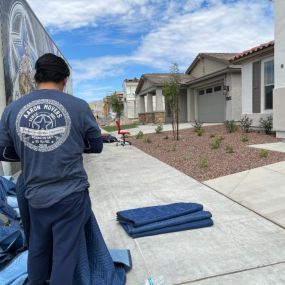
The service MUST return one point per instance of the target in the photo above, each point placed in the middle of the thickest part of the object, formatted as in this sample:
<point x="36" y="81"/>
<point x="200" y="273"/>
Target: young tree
<point x="117" y="105"/>
<point x="171" y="91"/>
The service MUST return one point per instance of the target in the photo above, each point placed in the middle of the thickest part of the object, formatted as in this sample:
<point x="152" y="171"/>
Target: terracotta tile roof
<point x="252" y="50"/>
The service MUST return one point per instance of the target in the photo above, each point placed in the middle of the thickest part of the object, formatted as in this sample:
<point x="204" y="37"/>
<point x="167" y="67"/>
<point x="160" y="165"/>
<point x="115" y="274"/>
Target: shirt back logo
<point x="43" y="125"/>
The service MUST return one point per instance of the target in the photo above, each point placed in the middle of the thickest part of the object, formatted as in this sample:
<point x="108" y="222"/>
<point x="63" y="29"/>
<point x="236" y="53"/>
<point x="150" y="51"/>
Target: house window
<point x="201" y="92"/>
<point x="217" y="88"/>
<point x="268" y="84"/>
<point x="209" y="90"/>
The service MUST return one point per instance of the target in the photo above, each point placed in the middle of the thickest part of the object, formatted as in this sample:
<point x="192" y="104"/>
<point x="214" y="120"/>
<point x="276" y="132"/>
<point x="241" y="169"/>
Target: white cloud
<point x="72" y="14"/>
<point x="218" y="28"/>
<point x="174" y="30"/>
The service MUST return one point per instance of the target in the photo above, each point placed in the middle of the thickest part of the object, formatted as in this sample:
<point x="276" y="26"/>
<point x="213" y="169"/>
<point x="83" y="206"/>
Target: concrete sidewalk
<point x="260" y="189"/>
<point x="241" y="248"/>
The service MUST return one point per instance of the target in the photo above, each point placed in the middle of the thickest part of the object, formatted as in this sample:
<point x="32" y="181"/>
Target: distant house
<point x="130" y="108"/>
<point x="97" y="108"/>
<point x="210" y="92"/>
<point x="150" y="100"/>
<point x="214" y="95"/>
<point x="257" y="81"/>
<point x="107" y="107"/>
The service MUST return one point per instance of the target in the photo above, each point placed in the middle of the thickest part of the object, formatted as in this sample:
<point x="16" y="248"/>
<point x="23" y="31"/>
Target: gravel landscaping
<point x="195" y="156"/>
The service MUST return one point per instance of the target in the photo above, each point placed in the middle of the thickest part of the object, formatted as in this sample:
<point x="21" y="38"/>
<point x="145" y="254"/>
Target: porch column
<point x="188" y="104"/>
<point x="279" y="70"/>
<point x="141" y="104"/>
<point x="159" y="101"/>
<point x="149" y="103"/>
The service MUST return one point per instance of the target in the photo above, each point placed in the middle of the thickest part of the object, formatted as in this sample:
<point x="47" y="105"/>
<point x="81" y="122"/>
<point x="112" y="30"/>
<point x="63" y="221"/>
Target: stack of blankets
<point x="156" y="220"/>
<point x="96" y="264"/>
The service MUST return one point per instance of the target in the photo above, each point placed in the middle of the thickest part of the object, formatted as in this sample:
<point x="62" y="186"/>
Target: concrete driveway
<point x="241" y="248"/>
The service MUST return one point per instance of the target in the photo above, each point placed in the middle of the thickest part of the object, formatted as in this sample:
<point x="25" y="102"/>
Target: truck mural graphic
<point x="23" y="40"/>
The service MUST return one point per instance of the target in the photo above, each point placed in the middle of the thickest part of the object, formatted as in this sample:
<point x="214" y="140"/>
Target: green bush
<point x="231" y="126"/>
<point x="245" y="123"/>
<point x="244" y="138"/>
<point x="229" y="148"/>
<point x="204" y="163"/>
<point x="197" y="126"/>
<point x="200" y="132"/>
<point x="216" y="143"/>
<point x="263" y="153"/>
<point x="266" y="124"/>
<point x="139" y="135"/>
<point x="159" y="128"/>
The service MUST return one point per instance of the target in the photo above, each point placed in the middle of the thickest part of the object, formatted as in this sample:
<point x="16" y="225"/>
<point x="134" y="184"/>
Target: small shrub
<point x="173" y="148"/>
<point x="231" y="126"/>
<point x="204" y="163"/>
<point x="263" y="153"/>
<point x="244" y="138"/>
<point x="200" y="132"/>
<point x="229" y="148"/>
<point x="212" y="135"/>
<point x="216" y="143"/>
<point x="147" y="140"/>
<point x="159" y="128"/>
<point x="266" y="124"/>
<point x="197" y="126"/>
<point x="139" y="135"/>
<point x="166" y="137"/>
<point x="245" y="123"/>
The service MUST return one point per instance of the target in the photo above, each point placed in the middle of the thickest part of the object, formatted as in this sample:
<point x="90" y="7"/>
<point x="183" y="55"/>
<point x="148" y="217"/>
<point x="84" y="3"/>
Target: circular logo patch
<point x="43" y="125"/>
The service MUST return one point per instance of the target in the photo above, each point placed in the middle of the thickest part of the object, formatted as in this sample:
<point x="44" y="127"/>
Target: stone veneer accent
<point x="152" y="118"/>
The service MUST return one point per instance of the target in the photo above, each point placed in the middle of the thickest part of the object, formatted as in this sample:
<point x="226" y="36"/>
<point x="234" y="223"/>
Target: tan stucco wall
<point x="206" y="66"/>
<point x="279" y="57"/>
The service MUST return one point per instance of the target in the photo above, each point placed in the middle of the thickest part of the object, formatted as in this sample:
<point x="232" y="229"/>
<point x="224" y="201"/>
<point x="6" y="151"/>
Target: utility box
<point x="23" y="40"/>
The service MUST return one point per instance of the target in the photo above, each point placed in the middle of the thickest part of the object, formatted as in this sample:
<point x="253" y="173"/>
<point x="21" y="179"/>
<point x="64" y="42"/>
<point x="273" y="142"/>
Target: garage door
<point x="211" y="105"/>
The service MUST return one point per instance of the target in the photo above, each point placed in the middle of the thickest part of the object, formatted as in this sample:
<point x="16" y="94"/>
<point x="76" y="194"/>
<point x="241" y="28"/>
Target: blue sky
<point x="106" y="41"/>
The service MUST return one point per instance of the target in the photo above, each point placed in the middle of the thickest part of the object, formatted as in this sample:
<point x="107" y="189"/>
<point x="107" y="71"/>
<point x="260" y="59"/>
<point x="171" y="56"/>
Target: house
<point x="150" y="100"/>
<point x="129" y="87"/>
<point x="97" y="108"/>
<point x="214" y="91"/>
<point x="257" y="81"/>
<point x="279" y="59"/>
<point x="210" y="92"/>
<point x="107" y="107"/>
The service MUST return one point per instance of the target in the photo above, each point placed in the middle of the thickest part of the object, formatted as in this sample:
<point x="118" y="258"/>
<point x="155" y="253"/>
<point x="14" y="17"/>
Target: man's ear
<point x="65" y="81"/>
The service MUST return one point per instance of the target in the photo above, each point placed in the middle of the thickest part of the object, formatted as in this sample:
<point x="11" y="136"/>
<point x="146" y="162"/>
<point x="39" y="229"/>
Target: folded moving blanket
<point x="16" y="272"/>
<point x="142" y="216"/>
<point x="155" y="220"/>
<point x="95" y="264"/>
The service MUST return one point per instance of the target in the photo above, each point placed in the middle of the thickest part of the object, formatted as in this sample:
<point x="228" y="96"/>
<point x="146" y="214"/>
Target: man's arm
<point x="8" y="154"/>
<point x="93" y="137"/>
<point x="93" y="145"/>
<point x="7" y="150"/>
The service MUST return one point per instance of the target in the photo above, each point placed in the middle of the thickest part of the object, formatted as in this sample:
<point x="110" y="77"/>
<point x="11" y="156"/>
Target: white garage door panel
<point x="211" y="108"/>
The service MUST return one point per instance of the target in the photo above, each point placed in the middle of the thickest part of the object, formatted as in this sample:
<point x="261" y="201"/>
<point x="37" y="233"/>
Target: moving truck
<point x="22" y="40"/>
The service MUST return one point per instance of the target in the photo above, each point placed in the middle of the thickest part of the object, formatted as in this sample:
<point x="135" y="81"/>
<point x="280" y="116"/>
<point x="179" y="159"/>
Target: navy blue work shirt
<point x="47" y="129"/>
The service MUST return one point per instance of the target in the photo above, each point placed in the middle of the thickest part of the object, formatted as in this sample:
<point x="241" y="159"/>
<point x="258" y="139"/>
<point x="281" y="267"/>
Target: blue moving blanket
<point x="95" y="265"/>
<point x="142" y="216"/>
<point x="16" y="272"/>
<point x="155" y="220"/>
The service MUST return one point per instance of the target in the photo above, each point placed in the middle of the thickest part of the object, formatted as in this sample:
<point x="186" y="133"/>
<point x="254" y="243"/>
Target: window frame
<point x="263" y="85"/>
